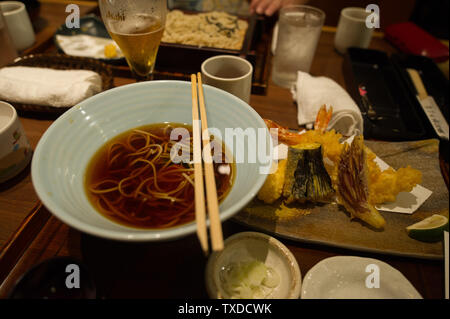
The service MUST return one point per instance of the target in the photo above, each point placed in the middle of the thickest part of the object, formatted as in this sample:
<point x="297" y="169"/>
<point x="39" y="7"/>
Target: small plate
<point x="89" y="25"/>
<point x="344" y="277"/>
<point x="249" y="246"/>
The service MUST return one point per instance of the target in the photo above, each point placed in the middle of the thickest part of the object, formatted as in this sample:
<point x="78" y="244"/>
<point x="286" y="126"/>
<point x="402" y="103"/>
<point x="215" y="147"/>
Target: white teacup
<point x="15" y="150"/>
<point x="19" y="24"/>
<point x="352" y="30"/>
<point x="229" y="73"/>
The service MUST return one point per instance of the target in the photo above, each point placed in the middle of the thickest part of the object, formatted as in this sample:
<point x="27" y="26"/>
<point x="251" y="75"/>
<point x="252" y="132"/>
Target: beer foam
<point x="141" y="23"/>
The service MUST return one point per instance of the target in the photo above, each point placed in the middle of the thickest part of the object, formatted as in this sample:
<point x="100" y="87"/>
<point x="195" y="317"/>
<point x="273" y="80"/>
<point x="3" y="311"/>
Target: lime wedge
<point x="431" y="229"/>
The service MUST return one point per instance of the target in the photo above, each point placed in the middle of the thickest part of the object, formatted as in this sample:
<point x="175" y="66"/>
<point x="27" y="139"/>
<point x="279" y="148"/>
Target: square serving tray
<point x="174" y="57"/>
<point x="391" y="93"/>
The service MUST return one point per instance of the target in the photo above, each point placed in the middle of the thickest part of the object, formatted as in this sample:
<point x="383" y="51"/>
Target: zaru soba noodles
<point x="132" y="179"/>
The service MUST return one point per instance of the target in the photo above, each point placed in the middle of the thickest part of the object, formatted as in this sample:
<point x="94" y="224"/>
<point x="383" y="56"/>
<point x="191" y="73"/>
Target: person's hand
<point x="269" y="7"/>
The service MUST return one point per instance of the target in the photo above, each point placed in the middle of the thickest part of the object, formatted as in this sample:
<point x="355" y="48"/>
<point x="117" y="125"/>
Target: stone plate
<point x="330" y="224"/>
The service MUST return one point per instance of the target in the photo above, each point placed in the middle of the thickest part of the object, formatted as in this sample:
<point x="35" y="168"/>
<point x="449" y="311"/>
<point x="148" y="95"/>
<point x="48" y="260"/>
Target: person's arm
<point x="269" y="7"/>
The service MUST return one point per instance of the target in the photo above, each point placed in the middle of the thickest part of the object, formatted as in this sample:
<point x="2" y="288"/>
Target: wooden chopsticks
<point x="200" y="212"/>
<point x="418" y="84"/>
<point x="201" y="130"/>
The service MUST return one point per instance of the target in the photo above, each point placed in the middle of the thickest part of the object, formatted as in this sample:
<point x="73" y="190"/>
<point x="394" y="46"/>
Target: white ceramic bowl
<point x="250" y="246"/>
<point x="64" y="151"/>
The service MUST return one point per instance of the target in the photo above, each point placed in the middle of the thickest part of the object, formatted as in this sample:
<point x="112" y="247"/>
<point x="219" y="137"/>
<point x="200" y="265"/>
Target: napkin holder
<point x="391" y="94"/>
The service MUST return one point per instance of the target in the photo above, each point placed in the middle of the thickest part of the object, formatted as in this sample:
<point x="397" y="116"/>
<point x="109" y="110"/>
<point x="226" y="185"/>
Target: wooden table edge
<point x="21" y="239"/>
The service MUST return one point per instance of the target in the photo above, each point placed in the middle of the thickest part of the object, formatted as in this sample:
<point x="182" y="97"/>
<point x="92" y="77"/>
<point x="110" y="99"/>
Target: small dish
<point x="92" y="26"/>
<point x="344" y="277"/>
<point x="253" y="246"/>
<point x="15" y="150"/>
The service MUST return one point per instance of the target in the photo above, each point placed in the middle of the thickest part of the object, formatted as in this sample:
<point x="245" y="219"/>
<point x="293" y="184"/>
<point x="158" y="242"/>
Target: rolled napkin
<point x="313" y="92"/>
<point x="48" y="87"/>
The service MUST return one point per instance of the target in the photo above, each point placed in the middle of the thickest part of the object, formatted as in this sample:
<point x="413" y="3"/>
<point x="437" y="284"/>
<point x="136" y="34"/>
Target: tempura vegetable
<point x="273" y="186"/>
<point x="306" y="177"/>
<point x="352" y="171"/>
<point x="384" y="186"/>
<point x="352" y="184"/>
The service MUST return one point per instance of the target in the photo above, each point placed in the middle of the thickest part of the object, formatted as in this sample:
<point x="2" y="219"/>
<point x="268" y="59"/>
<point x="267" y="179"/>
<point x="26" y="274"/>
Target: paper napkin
<point x="313" y="92"/>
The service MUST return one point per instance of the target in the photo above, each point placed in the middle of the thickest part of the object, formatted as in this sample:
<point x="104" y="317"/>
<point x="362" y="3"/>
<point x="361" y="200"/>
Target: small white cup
<point x="352" y="30"/>
<point x="15" y="150"/>
<point x="19" y="24"/>
<point x="229" y="73"/>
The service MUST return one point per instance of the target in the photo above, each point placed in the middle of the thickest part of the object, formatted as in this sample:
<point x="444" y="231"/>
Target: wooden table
<point x="29" y="234"/>
<point x="17" y="197"/>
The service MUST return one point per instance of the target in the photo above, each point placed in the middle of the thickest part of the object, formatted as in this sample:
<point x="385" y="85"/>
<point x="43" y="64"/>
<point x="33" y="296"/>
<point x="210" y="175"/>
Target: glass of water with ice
<point x="299" y="29"/>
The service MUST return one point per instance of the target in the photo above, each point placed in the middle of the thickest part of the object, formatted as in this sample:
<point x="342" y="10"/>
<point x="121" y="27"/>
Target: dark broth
<point x="120" y="181"/>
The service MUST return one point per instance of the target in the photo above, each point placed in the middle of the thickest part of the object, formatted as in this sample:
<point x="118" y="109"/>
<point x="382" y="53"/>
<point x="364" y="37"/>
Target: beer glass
<point x="137" y="27"/>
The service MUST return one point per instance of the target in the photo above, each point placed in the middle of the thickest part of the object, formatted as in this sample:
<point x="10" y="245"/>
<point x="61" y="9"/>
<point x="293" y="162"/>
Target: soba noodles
<point x="132" y="179"/>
